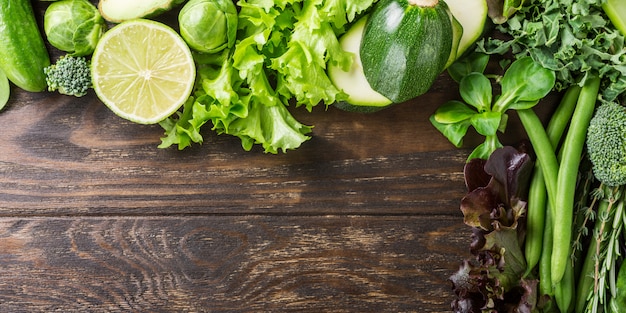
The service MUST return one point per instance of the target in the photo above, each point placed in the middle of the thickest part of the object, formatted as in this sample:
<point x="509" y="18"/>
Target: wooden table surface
<point x="95" y="218"/>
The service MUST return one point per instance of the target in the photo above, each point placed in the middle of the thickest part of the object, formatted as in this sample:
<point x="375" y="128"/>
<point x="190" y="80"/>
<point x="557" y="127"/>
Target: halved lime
<point x="142" y="70"/>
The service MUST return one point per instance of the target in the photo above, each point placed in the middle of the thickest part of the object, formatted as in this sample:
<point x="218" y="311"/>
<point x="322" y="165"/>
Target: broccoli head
<point x="70" y="75"/>
<point x="606" y="144"/>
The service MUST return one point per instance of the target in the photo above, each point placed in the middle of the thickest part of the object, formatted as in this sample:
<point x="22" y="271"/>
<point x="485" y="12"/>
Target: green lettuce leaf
<point x="280" y="58"/>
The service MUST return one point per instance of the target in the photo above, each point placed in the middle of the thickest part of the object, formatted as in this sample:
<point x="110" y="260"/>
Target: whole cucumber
<point x="23" y="53"/>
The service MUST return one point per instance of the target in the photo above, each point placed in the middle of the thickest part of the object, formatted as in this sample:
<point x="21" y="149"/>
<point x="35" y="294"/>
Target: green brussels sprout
<point x="73" y="26"/>
<point x="208" y="25"/>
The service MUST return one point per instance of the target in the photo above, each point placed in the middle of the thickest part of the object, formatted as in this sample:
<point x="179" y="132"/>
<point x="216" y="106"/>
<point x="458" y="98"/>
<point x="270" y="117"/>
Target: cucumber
<point x="406" y="45"/>
<point x="361" y="97"/>
<point x="117" y="11"/>
<point x="472" y="15"/>
<point x="23" y="53"/>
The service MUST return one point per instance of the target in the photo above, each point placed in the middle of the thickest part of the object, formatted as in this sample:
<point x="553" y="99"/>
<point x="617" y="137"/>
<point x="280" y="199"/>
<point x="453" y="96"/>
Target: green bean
<point x="543" y="149"/>
<point x="545" y="279"/>
<point x="567" y="174"/>
<point x="564" y="290"/>
<point x="537" y="201"/>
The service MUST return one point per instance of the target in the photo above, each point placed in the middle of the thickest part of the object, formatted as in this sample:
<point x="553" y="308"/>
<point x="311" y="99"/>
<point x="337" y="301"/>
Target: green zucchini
<point x="406" y="44"/>
<point x="5" y="89"/>
<point x="23" y="53"/>
<point x="473" y="17"/>
<point x="361" y="97"/>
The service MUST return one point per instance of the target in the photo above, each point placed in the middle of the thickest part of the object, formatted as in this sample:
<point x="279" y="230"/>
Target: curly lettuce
<point x="279" y="59"/>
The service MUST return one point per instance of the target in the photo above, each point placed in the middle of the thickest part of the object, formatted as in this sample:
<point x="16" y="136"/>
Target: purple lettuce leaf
<point x="494" y="208"/>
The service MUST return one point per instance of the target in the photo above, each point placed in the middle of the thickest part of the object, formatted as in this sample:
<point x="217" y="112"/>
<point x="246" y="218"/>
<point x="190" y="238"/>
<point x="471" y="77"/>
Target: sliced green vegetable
<point x="360" y="95"/>
<point x="472" y="16"/>
<point x="5" y="89"/>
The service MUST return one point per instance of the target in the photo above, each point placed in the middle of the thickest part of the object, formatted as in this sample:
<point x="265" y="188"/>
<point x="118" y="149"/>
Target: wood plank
<point x="230" y="264"/>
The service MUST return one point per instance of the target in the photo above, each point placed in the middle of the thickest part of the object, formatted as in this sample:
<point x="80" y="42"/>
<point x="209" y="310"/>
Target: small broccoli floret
<point x="606" y="144"/>
<point x="70" y="75"/>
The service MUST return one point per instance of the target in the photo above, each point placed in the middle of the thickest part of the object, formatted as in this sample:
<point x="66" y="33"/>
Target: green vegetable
<point x="537" y="195"/>
<point x="405" y="46"/>
<point x="618" y="301"/>
<point x="208" y="25"/>
<point x="523" y="84"/>
<point x="23" y="54"/>
<point x="606" y="144"/>
<point x="74" y="26"/>
<point x="290" y="43"/>
<point x="570" y="37"/>
<point x="616" y="11"/>
<point x="360" y="95"/>
<point x="117" y="11"/>
<point x="5" y="90"/>
<point x="573" y="146"/>
<point x="472" y="16"/>
<point x="501" y="10"/>
<point x="70" y="75"/>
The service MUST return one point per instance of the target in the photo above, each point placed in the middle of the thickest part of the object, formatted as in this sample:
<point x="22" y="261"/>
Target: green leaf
<point x="453" y="111"/>
<point x="454" y="131"/>
<point x="5" y="89"/>
<point x="525" y="80"/>
<point x="487" y="123"/>
<point x="474" y="62"/>
<point x="475" y="89"/>
<point x="484" y="150"/>
<point x="521" y="105"/>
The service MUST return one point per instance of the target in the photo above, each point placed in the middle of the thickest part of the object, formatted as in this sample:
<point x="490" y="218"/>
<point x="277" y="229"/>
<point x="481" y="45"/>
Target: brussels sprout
<point x="208" y="25"/>
<point x="73" y="26"/>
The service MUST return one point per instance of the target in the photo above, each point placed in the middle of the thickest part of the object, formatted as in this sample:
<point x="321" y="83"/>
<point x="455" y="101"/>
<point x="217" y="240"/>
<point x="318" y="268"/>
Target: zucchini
<point x="5" y="89"/>
<point x="406" y="44"/>
<point x="361" y="97"/>
<point x="472" y="15"/>
<point x="23" y="53"/>
<point x="117" y="11"/>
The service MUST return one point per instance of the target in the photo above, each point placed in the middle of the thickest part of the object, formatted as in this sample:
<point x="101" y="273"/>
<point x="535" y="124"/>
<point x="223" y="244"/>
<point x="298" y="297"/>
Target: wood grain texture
<point x="229" y="264"/>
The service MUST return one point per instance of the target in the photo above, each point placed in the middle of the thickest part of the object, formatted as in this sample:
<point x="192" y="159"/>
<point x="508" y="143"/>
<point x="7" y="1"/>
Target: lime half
<point x="142" y="70"/>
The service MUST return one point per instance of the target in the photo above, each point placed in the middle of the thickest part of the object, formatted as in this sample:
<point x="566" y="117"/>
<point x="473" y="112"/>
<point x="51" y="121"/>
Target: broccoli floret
<point x="606" y="144"/>
<point x="70" y="75"/>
